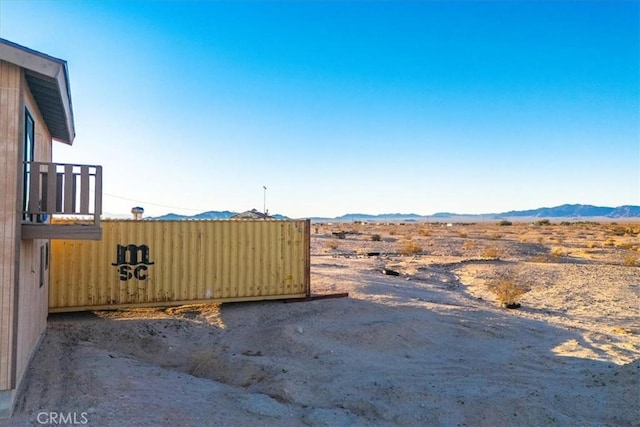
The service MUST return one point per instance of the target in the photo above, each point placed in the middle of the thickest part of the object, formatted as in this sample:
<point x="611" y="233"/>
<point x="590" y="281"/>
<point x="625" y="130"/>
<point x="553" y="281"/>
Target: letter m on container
<point x="132" y="261"/>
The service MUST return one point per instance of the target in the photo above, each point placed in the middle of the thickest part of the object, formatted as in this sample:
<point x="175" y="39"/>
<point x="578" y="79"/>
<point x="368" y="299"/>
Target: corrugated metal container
<point x="158" y="263"/>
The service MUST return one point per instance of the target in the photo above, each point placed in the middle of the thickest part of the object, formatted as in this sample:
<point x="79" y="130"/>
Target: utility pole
<point x="264" y="205"/>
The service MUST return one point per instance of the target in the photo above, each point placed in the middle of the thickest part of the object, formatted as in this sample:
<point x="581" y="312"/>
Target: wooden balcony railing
<point x="71" y="192"/>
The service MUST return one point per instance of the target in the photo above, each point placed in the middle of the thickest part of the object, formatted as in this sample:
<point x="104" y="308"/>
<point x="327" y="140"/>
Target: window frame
<point x="28" y="155"/>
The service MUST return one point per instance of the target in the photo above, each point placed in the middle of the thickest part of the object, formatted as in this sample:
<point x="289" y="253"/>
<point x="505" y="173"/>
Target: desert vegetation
<point x="537" y="241"/>
<point x="508" y="288"/>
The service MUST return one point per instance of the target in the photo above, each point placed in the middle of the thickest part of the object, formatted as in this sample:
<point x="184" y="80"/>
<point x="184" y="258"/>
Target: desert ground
<point x="430" y="346"/>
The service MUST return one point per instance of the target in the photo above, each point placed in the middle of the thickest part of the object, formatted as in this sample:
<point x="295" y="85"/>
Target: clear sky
<point x="344" y="107"/>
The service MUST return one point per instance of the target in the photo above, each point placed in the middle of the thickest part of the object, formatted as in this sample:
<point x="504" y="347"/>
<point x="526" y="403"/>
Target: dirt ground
<point x="431" y="346"/>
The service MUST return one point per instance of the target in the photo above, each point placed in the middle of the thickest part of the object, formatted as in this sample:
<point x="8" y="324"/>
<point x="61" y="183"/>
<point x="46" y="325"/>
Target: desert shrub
<point x="557" y="252"/>
<point x="592" y="245"/>
<point x="508" y="289"/>
<point x="496" y="236"/>
<point x="462" y="234"/>
<point x="505" y="222"/>
<point x="619" y="230"/>
<point x="631" y="259"/>
<point x="625" y="245"/>
<point x="609" y="242"/>
<point x="410" y="248"/>
<point x="585" y="223"/>
<point x="540" y="258"/>
<point x="375" y="238"/>
<point x="332" y="244"/>
<point x="490" y="252"/>
<point x="469" y="245"/>
<point x="543" y="222"/>
<point x="425" y="232"/>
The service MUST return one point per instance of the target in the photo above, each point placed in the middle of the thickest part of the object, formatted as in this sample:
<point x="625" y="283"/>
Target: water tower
<point x="137" y="212"/>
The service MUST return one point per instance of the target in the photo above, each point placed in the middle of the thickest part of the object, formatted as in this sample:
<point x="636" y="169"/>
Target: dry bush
<point x="410" y="248"/>
<point x="622" y="230"/>
<point x="609" y="242"/>
<point x="625" y="245"/>
<point x="619" y="230"/>
<point x="469" y="245"/>
<point x="631" y="259"/>
<point x="496" y="236"/>
<point x="508" y="289"/>
<point x="375" y="238"/>
<point x="540" y="258"/>
<point x="491" y="252"/>
<point x="332" y="244"/>
<point x="557" y="252"/>
<point x="462" y="234"/>
<point x="592" y="245"/>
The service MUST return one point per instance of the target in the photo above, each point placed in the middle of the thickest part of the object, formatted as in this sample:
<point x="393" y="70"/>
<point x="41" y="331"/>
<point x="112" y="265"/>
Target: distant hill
<point x="563" y="211"/>
<point x="388" y="217"/>
<point x="204" y="215"/>
<point x="627" y="211"/>
<point x="567" y="211"/>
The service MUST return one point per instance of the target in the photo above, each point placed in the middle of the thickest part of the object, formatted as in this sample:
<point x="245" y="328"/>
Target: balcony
<point x="73" y="193"/>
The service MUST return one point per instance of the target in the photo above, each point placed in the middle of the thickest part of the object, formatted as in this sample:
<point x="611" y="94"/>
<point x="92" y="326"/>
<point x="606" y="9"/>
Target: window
<point x="44" y="262"/>
<point x="29" y="145"/>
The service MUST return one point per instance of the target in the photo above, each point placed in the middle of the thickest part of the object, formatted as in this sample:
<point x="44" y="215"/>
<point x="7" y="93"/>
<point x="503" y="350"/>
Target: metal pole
<point x="264" y="206"/>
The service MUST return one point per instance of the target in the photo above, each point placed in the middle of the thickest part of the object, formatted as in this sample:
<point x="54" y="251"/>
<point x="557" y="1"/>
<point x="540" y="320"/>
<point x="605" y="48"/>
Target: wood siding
<point x="23" y="302"/>
<point x="32" y="298"/>
<point x="10" y="150"/>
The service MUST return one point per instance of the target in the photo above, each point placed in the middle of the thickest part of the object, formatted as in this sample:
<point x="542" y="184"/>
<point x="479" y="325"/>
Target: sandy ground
<point x="430" y="347"/>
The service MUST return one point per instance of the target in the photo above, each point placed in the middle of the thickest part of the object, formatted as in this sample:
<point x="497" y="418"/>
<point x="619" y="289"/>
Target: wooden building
<point x="35" y="110"/>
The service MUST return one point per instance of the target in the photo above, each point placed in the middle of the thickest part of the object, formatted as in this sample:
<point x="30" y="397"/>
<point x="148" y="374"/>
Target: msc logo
<point x="132" y="261"/>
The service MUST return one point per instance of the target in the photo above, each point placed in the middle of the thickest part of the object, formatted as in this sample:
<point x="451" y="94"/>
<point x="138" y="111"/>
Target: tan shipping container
<point x="161" y="263"/>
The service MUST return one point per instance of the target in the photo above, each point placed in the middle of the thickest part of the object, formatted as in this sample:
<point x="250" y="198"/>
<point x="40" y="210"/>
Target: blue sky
<point x="342" y="107"/>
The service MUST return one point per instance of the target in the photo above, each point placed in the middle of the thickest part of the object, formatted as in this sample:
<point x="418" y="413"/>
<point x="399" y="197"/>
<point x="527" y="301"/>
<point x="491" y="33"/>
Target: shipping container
<point x="161" y="263"/>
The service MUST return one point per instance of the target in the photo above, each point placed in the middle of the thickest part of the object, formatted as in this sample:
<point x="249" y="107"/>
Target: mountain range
<point x="205" y="215"/>
<point x="568" y="211"/>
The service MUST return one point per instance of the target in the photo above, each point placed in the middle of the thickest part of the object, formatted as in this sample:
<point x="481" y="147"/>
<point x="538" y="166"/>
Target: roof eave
<point x="53" y="70"/>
